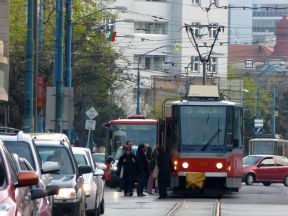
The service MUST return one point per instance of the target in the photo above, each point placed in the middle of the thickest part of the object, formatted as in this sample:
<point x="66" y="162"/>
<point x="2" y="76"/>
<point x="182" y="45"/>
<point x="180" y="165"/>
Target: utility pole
<point x="28" y="85"/>
<point x="58" y="65"/>
<point x="35" y="75"/>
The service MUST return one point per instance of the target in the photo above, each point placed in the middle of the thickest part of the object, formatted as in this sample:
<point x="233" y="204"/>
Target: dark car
<point x="266" y="169"/>
<point x="71" y="199"/>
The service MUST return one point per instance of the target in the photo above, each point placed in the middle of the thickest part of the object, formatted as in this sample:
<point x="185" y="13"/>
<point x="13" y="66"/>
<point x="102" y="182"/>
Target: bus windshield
<point x="137" y="133"/>
<point x="202" y="126"/>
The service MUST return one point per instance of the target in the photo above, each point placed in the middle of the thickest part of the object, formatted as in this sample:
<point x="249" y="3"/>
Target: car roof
<point x="17" y="135"/>
<point x="50" y="136"/>
<point x="80" y="150"/>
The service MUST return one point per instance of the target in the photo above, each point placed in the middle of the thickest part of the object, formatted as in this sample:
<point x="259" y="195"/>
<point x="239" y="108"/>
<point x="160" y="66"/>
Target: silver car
<point x="93" y="182"/>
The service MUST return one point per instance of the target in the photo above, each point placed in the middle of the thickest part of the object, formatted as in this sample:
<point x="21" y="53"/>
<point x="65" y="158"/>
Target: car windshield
<point x="81" y="160"/>
<point x="100" y="158"/>
<point x="57" y="154"/>
<point x="251" y="160"/>
<point x="2" y="173"/>
<point x="22" y="149"/>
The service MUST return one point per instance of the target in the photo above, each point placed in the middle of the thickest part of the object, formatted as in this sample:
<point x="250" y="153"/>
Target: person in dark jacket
<point x="164" y="165"/>
<point x="128" y="161"/>
<point x="143" y="170"/>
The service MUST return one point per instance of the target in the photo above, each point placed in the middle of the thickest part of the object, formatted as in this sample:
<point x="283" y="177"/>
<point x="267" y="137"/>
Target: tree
<point x="95" y="71"/>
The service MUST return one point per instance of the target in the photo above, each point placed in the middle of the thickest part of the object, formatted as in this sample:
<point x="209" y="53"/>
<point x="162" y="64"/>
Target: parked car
<point x="93" y="182"/>
<point x="71" y="199"/>
<point x="20" y="143"/>
<point x="114" y="172"/>
<point x="15" y="195"/>
<point x="266" y="169"/>
<point x="100" y="162"/>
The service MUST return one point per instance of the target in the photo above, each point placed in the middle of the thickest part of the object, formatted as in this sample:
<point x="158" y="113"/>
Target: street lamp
<point x="138" y="77"/>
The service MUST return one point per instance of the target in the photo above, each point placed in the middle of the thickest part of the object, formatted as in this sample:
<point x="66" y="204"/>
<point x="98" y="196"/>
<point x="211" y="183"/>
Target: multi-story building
<point x="152" y="38"/>
<point x="258" y="25"/>
<point x="4" y="66"/>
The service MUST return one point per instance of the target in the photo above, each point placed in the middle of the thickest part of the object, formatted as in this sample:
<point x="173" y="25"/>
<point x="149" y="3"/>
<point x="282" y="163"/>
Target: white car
<point x="93" y="182"/>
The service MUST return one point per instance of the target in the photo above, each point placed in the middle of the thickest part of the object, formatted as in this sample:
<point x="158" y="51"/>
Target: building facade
<point x="256" y="26"/>
<point x="4" y="39"/>
<point x="155" y="41"/>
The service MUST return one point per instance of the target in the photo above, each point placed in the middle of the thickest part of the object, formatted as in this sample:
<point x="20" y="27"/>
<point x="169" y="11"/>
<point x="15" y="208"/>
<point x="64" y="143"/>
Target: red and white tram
<point x="204" y="138"/>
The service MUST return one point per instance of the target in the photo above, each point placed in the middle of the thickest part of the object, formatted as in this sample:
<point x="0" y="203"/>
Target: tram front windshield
<point x="202" y="127"/>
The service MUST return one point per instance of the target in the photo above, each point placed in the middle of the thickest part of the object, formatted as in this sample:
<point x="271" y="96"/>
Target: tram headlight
<point x="175" y="163"/>
<point x="219" y="165"/>
<point x="185" y="165"/>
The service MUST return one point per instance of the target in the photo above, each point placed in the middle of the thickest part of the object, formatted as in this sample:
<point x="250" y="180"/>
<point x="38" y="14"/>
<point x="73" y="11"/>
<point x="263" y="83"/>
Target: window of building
<point x="107" y="24"/>
<point x="151" y="27"/>
<point x="151" y="62"/>
<point x="195" y="29"/>
<point x="196" y="2"/>
<point x="212" y="66"/>
<point x="213" y="31"/>
<point x="195" y="64"/>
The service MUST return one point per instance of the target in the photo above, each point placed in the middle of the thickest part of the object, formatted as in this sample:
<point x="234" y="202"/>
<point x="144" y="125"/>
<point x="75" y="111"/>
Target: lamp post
<point x="138" y="76"/>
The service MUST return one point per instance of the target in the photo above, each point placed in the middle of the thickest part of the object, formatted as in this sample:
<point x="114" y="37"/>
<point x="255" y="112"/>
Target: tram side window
<point x="229" y="129"/>
<point x="238" y="128"/>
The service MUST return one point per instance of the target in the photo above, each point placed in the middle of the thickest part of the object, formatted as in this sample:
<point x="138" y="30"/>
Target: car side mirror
<point x="50" y="167"/>
<point x="98" y="172"/>
<point x="37" y="193"/>
<point x="52" y="190"/>
<point x="83" y="169"/>
<point x="27" y="178"/>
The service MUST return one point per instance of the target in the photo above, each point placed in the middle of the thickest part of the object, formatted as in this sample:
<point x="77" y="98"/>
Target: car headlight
<point x="66" y="193"/>
<point x="87" y="189"/>
<point x="185" y="165"/>
<point x="219" y="165"/>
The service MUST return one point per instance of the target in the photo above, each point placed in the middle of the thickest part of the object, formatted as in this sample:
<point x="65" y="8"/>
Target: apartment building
<point x="4" y="38"/>
<point x="152" y="37"/>
<point x="256" y="26"/>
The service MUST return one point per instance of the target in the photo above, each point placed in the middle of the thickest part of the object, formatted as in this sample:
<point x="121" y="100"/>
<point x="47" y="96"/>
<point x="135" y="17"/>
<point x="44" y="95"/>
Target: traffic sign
<point x="91" y="113"/>
<point x="258" y="122"/>
<point x="90" y="124"/>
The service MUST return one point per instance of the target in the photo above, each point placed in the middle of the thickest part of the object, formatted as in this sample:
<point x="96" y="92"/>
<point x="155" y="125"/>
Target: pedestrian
<point x="151" y="165"/>
<point x="164" y="165"/>
<point x="120" y="171"/>
<point x="127" y="162"/>
<point x="143" y="170"/>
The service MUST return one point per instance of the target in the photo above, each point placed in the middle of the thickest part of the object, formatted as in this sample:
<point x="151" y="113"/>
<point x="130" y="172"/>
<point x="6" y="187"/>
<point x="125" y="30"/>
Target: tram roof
<point x="133" y="121"/>
<point x="204" y="102"/>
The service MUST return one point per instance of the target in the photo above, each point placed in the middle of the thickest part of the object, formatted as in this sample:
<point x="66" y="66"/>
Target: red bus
<point x="135" y="128"/>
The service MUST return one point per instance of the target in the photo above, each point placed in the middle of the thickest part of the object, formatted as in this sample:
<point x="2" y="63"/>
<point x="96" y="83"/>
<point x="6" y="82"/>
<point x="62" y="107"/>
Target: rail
<point x="217" y="208"/>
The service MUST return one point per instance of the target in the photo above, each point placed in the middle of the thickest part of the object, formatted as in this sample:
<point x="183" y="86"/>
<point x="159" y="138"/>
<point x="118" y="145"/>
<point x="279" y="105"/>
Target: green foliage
<point x="94" y="69"/>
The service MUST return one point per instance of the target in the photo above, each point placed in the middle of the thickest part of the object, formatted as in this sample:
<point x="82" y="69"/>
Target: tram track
<point x="217" y="208"/>
<point x="215" y="212"/>
<point x="176" y="207"/>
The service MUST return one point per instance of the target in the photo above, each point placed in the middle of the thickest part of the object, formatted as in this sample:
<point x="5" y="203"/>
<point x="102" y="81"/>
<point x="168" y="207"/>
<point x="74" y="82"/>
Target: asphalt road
<point x="250" y="201"/>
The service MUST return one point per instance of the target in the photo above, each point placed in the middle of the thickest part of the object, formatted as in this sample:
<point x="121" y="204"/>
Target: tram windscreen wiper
<point x="211" y="139"/>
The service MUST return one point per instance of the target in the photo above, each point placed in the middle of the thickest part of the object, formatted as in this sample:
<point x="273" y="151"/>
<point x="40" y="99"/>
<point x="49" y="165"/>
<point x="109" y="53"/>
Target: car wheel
<point x="266" y="183"/>
<point x="102" y="206"/>
<point x="249" y="180"/>
<point x="286" y="181"/>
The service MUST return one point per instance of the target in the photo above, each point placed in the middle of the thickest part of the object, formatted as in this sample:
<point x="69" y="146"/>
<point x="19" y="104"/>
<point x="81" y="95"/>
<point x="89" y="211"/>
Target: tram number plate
<point x="203" y="164"/>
